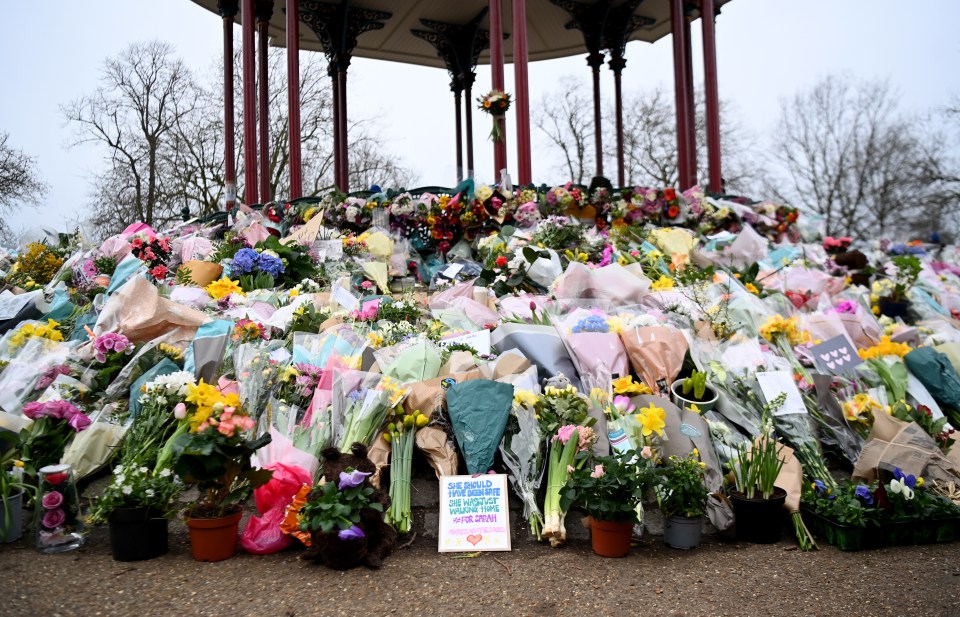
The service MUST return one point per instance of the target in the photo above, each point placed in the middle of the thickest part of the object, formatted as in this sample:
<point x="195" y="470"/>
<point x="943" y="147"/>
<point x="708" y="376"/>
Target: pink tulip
<point x="597" y="472"/>
<point x="180" y="411"/>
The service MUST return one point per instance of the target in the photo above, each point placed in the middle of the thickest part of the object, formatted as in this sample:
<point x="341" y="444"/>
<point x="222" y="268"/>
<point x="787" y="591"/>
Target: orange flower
<point x="291" y="519"/>
<point x="670" y="194"/>
<point x="673" y="211"/>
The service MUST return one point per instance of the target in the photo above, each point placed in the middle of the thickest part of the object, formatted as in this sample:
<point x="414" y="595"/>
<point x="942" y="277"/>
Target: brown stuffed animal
<point x="380" y="538"/>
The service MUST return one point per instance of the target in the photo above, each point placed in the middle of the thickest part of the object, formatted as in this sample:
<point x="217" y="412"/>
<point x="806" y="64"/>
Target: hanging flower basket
<point x="496" y="103"/>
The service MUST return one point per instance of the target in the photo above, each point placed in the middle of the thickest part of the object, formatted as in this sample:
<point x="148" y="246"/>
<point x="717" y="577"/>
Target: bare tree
<point x="567" y="121"/>
<point x="849" y="155"/>
<point x="20" y="182"/>
<point x="133" y="112"/>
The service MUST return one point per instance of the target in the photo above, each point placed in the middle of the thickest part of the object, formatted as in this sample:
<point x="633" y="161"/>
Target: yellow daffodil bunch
<point x="28" y="331"/>
<point x="627" y="386"/>
<point x="524" y="398"/>
<point x="777" y="326"/>
<point x="375" y="339"/>
<point x="652" y="420"/>
<point x="171" y="351"/>
<point x="885" y="348"/>
<point x="861" y="408"/>
<point x="664" y="283"/>
<point x="213" y="408"/>
<point x="223" y="288"/>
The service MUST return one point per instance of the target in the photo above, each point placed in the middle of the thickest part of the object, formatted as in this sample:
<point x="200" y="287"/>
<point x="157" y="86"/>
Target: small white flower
<point x="126" y="490"/>
<point x="118" y="470"/>
<point x="120" y="479"/>
<point x="149" y="492"/>
<point x="144" y="470"/>
<point x="165" y="473"/>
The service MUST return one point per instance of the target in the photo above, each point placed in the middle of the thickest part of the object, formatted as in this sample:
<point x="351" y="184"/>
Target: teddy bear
<point x="380" y="538"/>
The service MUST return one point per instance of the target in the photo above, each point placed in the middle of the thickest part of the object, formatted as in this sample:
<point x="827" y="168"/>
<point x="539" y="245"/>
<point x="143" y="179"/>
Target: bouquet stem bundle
<point x="562" y="457"/>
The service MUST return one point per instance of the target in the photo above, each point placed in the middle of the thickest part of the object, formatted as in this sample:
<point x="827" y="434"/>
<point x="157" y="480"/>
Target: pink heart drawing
<point x="474" y="539"/>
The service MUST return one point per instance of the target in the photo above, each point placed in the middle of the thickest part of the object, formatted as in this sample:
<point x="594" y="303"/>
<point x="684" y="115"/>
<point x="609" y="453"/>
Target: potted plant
<point x="610" y="490"/>
<point x="137" y="504"/>
<point x="902" y="273"/>
<point x="211" y="449"/>
<point x="334" y="518"/>
<point x="757" y="503"/>
<point x="12" y="488"/>
<point x="694" y="390"/>
<point x="682" y="495"/>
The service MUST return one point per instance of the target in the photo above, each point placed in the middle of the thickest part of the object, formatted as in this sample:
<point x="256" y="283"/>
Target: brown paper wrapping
<point x="138" y="312"/>
<point x="429" y="396"/>
<point x="202" y="272"/>
<point x="433" y="442"/>
<point x="459" y="362"/>
<point x="895" y="443"/>
<point x="509" y="364"/>
<point x="790" y="478"/>
<point x="655" y="352"/>
<point x="379" y="455"/>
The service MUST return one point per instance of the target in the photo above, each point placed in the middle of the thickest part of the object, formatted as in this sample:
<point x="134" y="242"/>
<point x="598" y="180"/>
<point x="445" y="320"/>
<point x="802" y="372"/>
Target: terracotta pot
<point x="214" y="539"/>
<point x="102" y="281"/>
<point x="610" y="538"/>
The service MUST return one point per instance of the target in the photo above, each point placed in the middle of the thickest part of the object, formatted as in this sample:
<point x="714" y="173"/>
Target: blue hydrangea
<point x="594" y="323"/>
<point x="244" y="262"/>
<point x="271" y="265"/>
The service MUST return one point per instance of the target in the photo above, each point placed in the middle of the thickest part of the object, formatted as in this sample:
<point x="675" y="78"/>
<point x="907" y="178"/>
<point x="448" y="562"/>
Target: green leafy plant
<point x="755" y="470"/>
<point x="137" y="486"/>
<point x="105" y="265"/>
<point x="697" y="383"/>
<point x="907" y="269"/>
<point x="11" y="478"/>
<point x="680" y="487"/>
<point x="610" y="488"/>
<point x="330" y="508"/>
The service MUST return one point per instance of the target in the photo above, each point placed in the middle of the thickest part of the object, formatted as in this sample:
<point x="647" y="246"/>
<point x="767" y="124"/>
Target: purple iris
<point x="353" y="533"/>
<point x="820" y="486"/>
<point x="351" y="478"/>
<point x="908" y="480"/>
<point x="864" y="493"/>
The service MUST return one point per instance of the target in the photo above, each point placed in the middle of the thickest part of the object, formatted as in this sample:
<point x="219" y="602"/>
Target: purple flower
<point x="820" y="487"/>
<point x="109" y="342"/>
<point x="908" y="480"/>
<point x="271" y="265"/>
<point x="52" y="500"/>
<point x="353" y="533"/>
<point x="79" y="421"/>
<point x="864" y="493"/>
<point x="351" y="478"/>
<point x="53" y="518"/>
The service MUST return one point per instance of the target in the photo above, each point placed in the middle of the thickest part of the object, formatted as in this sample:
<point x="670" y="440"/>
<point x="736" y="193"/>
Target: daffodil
<point x="652" y="419"/>
<point x="222" y="288"/>
<point x="524" y="398"/>
<point x="626" y="385"/>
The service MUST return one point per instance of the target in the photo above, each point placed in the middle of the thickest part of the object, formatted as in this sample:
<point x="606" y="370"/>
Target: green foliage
<point x="297" y="264"/>
<point x="697" y="383"/>
<point x="220" y="467"/>
<point x="610" y="488"/>
<point x="329" y="508"/>
<point x="307" y="318"/>
<point x="681" y="490"/>
<point x="137" y="486"/>
<point x="558" y="407"/>
<point x="185" y="277"/>
<point x="105" y="265"/>
<point x="756" y="470"/>
<point x="908" y="269"/>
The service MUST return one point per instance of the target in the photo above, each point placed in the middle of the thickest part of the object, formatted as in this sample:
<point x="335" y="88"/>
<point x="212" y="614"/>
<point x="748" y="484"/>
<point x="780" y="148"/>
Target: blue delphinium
<point x="244" y="262"/>
<point x="271" y="264"/>
<point x="594" y="323"/>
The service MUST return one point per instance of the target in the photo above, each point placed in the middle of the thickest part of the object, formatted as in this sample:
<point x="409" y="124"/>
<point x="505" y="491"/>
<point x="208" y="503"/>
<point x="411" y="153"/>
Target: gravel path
<point x="719" y="578"/>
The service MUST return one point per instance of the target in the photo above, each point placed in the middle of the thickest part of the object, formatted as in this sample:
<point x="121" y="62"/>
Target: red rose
<point x="669" y="194"/>
<point x="501" y="261"/>
<point x="673" y="212"/>
<point x="56" y="478"/>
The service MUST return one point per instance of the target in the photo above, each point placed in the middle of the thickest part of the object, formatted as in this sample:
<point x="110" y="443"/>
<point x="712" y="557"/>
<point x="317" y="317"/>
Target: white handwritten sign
<point x="479" y="340"/>
<point x="774" y="383"/>
<point x="473" y="514"/>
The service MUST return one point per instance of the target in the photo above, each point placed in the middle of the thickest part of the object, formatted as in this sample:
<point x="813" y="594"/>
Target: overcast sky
<point x="767" y="50"/>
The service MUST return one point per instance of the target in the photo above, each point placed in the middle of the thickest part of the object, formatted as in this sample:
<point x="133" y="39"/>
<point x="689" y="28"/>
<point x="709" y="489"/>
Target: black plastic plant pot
<point x="137" y="534"/>
<point x="893" y="309"/>
<point x="759" y="521"/>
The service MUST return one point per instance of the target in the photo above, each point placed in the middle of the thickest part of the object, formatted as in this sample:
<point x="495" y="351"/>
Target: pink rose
<point x="52" y="500"/>
<point x="597" y="472"/>
<point x="180" y="411"/>
<point x="646" y="453"/>
<point x="34" y="410"/>
<point x="79" y="421"/>
<point x="53" y="518"/>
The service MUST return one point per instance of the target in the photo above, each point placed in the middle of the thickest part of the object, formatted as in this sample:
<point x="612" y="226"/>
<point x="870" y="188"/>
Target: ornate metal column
<point x="293" y="97"/>
<point x="620" y="24"/>
<point x="264" y="13"/>
<point x="711" y="93"/>
<point x="459" y="46"/>
<point x="590" y="20"/>
<point x="249" y="103"/>
<point x="228" y="10"/>
<point x="680" y="90"/>
<point x="338" y="26"/>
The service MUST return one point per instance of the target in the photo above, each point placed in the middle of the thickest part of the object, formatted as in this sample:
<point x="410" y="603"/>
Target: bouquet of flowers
<point x="37" y="266"/>
<point x="400" y="433"/>
<point x="55" y="423"/>
<point x="496" y="103"/>
<point x="110" y="351"/>
<point x="361" y="402"/>
<point x="152" y="251"/>
<point x="212" y="448"/>
<point x="523" y="454"/>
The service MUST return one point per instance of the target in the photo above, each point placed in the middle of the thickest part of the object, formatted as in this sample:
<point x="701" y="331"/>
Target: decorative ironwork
<point x="264" y="10"/>
<point x="228" y="8"/>
<point x="589" y="19"/>
<point x="338" y="26"/>
<point x="621" y="23"/>
<point x="458" y="45"/>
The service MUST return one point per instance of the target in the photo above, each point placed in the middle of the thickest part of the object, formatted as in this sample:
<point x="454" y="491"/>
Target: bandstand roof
<point x="548" y="36"/>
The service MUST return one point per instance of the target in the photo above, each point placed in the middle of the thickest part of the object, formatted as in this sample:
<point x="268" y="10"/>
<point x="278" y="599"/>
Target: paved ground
<point x="719" y="578"/>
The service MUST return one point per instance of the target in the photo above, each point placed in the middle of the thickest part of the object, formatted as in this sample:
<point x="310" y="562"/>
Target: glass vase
<point x="57" y="520"/>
